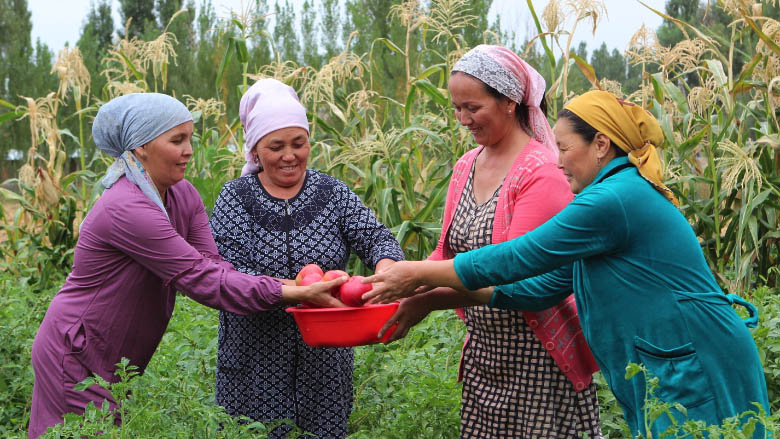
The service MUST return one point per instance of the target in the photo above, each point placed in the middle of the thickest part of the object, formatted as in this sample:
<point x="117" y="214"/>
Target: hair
<point x="585" y="130"/>
<point x="521" y="112"/>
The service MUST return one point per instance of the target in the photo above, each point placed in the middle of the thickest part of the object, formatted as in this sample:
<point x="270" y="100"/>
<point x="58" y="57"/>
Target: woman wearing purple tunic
<point x="146" y="238"/>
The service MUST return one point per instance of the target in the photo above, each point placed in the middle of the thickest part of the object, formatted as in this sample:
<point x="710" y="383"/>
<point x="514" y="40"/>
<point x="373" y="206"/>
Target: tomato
<point x="352" y="291"/>
<point x="307" y="280"/>
<point x="334" y="274"/>
<point x="310" y="279"/>
<point x="306" y="270"/>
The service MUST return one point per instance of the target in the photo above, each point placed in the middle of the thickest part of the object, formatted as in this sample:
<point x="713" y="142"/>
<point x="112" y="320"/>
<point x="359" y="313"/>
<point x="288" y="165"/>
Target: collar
<point x="614" y="163"/>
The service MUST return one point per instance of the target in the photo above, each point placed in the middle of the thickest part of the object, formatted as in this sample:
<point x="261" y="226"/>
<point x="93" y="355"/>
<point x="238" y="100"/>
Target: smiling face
<point x="165" y="157"/>
<point x="577" y="158"/>
<point x="489" y="119"/>
<point x="283" y="155"/>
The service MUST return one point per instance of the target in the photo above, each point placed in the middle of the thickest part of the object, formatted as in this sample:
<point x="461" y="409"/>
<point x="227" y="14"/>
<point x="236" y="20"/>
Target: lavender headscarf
<point x="506" y="72"/>
<point x="267" y="106"/>
<point x="130" y="121"/>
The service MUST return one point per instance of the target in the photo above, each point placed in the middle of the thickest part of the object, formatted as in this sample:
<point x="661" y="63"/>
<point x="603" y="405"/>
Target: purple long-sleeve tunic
<point x="128" y="264"/>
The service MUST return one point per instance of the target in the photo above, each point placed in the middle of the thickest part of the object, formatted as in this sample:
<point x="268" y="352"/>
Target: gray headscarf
<point x="130" y="121"/>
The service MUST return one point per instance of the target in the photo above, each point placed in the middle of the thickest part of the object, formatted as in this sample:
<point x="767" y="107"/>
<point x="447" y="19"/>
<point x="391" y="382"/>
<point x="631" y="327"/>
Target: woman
<point x="144" y="239"/>
<point x="275" y="219"/>
<point x="525" y="374"/>
<point x="643" y="289"/>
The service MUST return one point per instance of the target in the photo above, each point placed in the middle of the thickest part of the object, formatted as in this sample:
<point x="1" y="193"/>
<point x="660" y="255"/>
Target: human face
<point x="489" y="119"/>
<point x="283" y="154"/>
<point x="165" y="157"/>
<point x="577" y="158"/>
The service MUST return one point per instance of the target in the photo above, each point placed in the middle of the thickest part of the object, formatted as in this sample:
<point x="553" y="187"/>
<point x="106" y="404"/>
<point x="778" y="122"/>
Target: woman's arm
<point x="536" y="293"/>
<point x="404" y="277"/>
<point x="317" y="293"/>
<point x="363" y="232"/>
<point x="141" y="231"/>
<point x="414" y="309"/>
<point x="592" y="224"/>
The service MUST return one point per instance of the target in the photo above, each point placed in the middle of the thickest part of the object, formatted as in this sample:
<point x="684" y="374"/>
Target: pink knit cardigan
<point x="533" y="192"/>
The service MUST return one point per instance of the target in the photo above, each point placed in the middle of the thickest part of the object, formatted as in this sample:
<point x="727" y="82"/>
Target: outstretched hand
<point x="409" y="313"/>
<point x="316" y="294"/>
<point x="395" y="282"/>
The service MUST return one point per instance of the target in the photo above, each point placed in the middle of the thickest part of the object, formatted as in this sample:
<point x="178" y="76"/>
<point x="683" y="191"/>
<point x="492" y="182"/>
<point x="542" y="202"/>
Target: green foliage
<point x="767" y="336"/>
<point x="673" y="422"/>
<point x="21" y="310"/>
<point x="140" y="14"/>
<point x="286" y="44"/>
<point x="395" y="383"/>
<point x="380" y="121"/>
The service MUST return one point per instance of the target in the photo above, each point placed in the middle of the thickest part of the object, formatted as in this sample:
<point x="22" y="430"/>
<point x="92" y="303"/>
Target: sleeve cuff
<point x="464" y="269"/>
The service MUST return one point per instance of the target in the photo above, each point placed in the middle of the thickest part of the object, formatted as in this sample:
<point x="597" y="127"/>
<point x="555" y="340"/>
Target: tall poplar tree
<point x="311" y="55"/>
<point x="96" y="37"/>
<point x="285" y="36"/>
<point x="142" y="14"/>
<point x="331" y="28"/>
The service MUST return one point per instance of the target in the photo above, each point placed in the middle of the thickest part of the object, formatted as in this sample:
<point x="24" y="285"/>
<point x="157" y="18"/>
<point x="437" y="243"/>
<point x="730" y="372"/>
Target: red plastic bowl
<point x="343" y="327"/>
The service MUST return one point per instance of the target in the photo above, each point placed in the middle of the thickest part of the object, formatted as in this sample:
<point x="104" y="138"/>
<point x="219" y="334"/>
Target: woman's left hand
<point x="396" y="281"/>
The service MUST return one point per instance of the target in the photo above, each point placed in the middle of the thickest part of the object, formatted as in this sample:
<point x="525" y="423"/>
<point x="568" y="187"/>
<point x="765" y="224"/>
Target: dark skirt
<point x="266" y="372"/>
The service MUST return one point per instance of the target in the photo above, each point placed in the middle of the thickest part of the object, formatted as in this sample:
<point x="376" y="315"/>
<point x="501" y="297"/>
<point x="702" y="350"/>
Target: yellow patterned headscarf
<point x="630" y="127"/>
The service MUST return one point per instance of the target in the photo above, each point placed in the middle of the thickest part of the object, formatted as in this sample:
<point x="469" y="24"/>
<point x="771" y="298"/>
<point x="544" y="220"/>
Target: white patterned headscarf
<point x="506" y="72"/>
<point x="127" y="122"/>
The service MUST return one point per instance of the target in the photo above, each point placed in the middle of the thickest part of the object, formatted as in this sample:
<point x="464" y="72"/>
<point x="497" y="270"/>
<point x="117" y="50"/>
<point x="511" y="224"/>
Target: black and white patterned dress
<point x="512" y="387"/>
<point x="264" y="369"/>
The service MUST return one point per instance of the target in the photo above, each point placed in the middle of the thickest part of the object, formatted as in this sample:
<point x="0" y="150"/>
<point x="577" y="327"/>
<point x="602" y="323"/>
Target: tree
<point x="473" y="35"/>
<point x="141" y="14"/>
<point x="181" y="25"/>
<point x="261" y="39"/>
<point x="285" y="37"/>
<point x="15" y="55"/>
<point x="311" y="55"/>
<point x="96" y="37"/>
<point x="609" y="65"/>
<point x="686" y="10"/>
<point x="15" y="45"/>
<point x="330" y="27"/>
<point x="370" y="18"/>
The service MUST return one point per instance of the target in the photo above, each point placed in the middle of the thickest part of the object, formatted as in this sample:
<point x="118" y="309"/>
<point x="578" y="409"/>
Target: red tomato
<point x="308" y="280"/>
<point x="306" y="270"/>
<point x="334" y="274"/>
<point x="353" y="290"/>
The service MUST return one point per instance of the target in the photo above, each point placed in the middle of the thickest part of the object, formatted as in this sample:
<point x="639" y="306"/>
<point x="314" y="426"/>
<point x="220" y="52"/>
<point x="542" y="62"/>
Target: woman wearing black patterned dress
<point x="276" y="218"/>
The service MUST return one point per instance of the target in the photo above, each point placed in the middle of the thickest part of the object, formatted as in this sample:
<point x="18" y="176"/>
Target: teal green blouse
<point x="644" y="294"/>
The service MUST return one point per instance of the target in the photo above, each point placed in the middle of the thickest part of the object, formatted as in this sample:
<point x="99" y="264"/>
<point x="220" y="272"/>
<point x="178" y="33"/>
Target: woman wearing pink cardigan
<point x="525" y="374"/>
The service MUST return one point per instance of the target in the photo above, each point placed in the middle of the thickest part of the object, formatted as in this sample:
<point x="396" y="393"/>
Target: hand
<point x="394" y="282"/>
<point x="318" y="293"/>
<point x="410" y="312"/>
<point x="383" y="264"/>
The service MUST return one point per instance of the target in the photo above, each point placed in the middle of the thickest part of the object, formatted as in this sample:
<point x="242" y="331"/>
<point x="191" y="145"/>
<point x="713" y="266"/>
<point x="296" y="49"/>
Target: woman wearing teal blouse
<point x="643" y="289"/>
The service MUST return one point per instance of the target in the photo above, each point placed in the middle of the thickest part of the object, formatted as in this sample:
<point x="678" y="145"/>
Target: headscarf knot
<point x="631" y="128"/>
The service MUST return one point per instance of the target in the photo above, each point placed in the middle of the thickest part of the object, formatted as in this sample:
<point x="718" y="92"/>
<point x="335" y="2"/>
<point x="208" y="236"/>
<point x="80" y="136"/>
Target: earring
<point x="256" y="159"/>
<point x="598" y="161"/>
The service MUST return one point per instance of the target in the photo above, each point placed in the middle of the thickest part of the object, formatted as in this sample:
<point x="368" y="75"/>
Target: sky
<point x="55" y="24"/>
